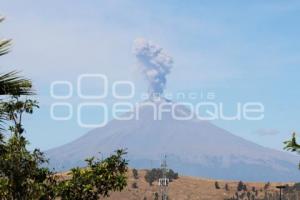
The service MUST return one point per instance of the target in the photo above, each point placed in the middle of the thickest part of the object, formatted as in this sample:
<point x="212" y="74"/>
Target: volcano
<point x="193" y="147"/>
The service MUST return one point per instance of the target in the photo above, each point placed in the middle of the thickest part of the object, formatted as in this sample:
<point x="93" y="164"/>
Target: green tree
<point x="96" y="180"/>
<point x="172" y="175"/>
<point x="241" y="186"/>
<point x="11" y="83"/>
<point x="21" y="174"/>
<point x="135" y="173"/>
<point x="292" y="145"/>
<point x="150" y="177"/>
<point x="23" y="178"/>
<point x="156" y="173"/>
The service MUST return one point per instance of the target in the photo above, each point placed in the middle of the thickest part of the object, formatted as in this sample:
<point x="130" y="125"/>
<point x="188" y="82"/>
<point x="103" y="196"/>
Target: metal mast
<point x="164" y="181"/>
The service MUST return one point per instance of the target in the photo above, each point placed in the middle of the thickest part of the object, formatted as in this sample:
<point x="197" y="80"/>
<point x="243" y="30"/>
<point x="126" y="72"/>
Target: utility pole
<point x="280" y="187"/>
<point x="164" y="181"/>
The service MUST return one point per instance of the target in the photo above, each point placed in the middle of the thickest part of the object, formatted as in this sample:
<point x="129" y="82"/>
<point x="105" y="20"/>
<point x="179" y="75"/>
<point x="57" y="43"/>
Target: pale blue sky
<point x="241" y="50"/>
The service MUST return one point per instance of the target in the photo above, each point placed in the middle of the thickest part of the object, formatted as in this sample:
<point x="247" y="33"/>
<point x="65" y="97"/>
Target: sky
<point x="242" y="51"/>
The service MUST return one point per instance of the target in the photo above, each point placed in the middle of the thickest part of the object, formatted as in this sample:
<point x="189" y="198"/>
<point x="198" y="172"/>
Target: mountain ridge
<point x="193" y="147"/>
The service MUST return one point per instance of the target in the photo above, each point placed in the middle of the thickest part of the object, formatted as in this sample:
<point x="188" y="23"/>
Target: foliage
<point x="267" y="185"/>
<point x="135" y="173"/>
<point x="241" y="186"/>
<point x="172" y="175"/>
<point x="156" y="173"/>
<point x="11" y="83"/>
<point x="217" y="186"/>
<point x="156" y="196"/>
<point x="21" y="174"/>
<point x="292" y="145"/>
<point x="23" y="178"/>
<point x="134" y="185"/>
<point x="226" y="187"/>
<point x="96" y="180"/>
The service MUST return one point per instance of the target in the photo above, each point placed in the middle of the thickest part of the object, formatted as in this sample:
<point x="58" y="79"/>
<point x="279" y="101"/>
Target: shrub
<point x="226" y="187"/>
<point x="156" y="173"/>
<point x="96" y="180"/>
<point x="217" y="186"/>
<point x="241" y="186"/>
<point x="135" y="173"/>
<point x="134" y="185"/>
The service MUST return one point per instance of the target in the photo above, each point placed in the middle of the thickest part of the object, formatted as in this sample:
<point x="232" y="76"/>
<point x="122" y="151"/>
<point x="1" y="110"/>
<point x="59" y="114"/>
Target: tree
<point x="267" y="185"/>
<point x="21" y="174"/>
<point x="292" y="145"/>
<point x="11" y="83"/>
<point x="134" y="185"/>
<point x="172" y="175"/>
<point x="226" y="187"/>
<point x="98" y="179"/>
<point x="217" y="186"/>
<point x="135" y="173"/>
<point x="156" y="196"/>
<point x="150" y="177"/>
<point x="156" y="173"/>
<point x="23" y="178"/>
<point x="241" y="186"/>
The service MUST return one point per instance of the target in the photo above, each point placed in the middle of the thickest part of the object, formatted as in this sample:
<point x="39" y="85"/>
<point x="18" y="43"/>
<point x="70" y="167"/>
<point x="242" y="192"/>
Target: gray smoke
<point x="154" y="63"/>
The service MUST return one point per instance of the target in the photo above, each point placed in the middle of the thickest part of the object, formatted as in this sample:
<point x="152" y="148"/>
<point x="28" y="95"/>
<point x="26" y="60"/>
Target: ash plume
<point x="154" y="63"/>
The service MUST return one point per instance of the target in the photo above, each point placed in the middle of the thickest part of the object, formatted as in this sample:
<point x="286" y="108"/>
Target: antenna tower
<point x="164" y="181"/>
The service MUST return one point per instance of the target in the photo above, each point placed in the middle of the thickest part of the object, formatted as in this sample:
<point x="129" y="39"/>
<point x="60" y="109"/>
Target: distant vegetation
<point x="241" y="186"/>
<point x="22" y="176"/>
<point x="156" y="173"/>
<point x="217" y="186"/>
<point x="265" y="193"/>
<point x="135" y="173"/>
<point x="292" y="145"/>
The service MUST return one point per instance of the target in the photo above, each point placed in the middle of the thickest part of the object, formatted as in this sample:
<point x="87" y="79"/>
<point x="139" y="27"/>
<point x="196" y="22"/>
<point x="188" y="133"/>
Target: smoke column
<point x="154" y="63"/>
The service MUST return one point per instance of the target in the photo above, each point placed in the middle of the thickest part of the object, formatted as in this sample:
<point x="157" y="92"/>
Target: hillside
<point x="188" y="188"/>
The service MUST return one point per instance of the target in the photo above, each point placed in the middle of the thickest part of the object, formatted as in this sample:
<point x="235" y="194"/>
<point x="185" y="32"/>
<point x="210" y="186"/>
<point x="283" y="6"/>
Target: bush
<point x="134" y="185"/>
<point x="135" y="173"/>
<point x="21" y="174"/>
<point x="226" y="187"/>
<point x="267" y="185"/>
<point x="297" y="186"/>
<point x="156" y="173"/>
<point x="241" y="186"/>
<point x="217" y="186"/>
<point x="172" y="175"/>
<point x="156" y="196"/>
<point x="23" y="178"/>
<point x="96" y="180"/>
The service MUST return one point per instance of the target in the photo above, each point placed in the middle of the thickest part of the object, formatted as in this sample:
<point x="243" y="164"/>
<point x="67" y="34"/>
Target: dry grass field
<point x="187" y="188"/>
